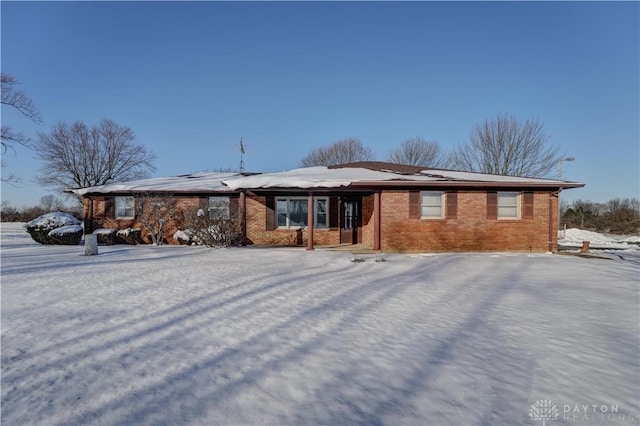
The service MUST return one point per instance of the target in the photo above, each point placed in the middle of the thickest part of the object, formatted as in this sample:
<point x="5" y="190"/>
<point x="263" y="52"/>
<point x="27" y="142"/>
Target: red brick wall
<point x="100" y="220"/>
<point x="470" y="230"/>
<point x="258" y="234"/>
<point x="367" y="220"/>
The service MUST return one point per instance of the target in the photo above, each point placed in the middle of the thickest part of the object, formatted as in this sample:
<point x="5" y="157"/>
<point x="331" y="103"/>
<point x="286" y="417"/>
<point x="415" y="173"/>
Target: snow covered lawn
<point x="197" y="336"/>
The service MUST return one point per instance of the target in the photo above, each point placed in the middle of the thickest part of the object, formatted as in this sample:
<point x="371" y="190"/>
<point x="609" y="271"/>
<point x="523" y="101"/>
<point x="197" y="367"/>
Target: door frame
<point x="352" y="235"/>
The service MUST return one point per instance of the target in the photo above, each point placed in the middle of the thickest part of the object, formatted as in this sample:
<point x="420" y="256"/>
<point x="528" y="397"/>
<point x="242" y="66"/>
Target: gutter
<point x="467" y="184"/>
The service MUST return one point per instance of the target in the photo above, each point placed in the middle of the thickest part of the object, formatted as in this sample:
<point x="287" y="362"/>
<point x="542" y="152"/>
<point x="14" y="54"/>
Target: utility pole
<point x="559" y="208"/>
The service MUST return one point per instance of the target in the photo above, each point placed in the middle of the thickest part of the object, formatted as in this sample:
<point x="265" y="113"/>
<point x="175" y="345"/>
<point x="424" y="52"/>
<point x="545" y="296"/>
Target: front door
<point x="350" y="215"/>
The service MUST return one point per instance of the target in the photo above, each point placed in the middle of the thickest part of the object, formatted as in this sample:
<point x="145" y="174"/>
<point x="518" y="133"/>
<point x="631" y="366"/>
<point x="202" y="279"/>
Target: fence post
<point x="585" y="247"/>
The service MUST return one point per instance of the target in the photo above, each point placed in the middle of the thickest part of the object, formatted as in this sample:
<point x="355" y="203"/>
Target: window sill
<point x="301" y="228"/>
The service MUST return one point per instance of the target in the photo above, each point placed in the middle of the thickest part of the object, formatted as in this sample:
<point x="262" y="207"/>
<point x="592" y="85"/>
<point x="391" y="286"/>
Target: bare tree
<point x="583" y="214"/>
<point x="622" y="216"/>
<point x="506" y="146"/>
<point x="616" y="215"/>
<point x="418" y="152"/>
<point x="154" y="211"/>
<point x="78" y="156"/>
<point x="8" y="213"/>
<point x="51" y="203"/>
<point x="18" y="100"/>
<point x="341" y="151"/>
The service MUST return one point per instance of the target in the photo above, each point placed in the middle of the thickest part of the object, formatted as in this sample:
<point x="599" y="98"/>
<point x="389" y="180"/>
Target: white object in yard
<point x="90" y="245"/>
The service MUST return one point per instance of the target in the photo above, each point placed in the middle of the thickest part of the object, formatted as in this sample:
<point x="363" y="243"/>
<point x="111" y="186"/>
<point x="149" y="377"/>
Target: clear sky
<point x="192" y="78"/>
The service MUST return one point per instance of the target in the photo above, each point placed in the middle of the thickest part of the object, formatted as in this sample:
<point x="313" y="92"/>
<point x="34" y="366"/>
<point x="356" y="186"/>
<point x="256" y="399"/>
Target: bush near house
<point x="67" y="235"/>
<point x="40" y="228"/>
<point x="183" y="237"/>
<point x="217" y="231"/>
<point x="131" y="236"/>
<point x="106" y="236"/>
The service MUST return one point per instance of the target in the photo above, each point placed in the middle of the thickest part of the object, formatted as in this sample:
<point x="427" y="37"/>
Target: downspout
<point x="310" y="222"/>
<point x="552" y="205"/>
<point x="243" y="217"/>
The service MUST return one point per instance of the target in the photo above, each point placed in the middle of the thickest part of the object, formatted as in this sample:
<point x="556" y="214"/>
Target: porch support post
<point x="376" y="220"/>
<point x="310" y="222"/>
<point x="243" y="216"/>
<point x="87" y="214"/>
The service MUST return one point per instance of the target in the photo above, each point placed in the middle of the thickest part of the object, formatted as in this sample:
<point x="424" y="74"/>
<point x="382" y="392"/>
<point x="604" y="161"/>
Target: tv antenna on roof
<point x="241" y="156"/>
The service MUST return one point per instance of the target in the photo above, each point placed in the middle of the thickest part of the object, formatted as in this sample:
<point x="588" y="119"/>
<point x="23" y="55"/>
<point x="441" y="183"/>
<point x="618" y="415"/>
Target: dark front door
<point x="350" y="218"/>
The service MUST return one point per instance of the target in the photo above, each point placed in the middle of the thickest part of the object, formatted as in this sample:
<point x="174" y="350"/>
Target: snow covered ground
<point x="611" y="246"/>
<point x="574" y="237"/>
<point x="197" y="336"/>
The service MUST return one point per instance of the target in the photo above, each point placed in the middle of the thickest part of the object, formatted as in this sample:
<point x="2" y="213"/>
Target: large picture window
<point x="432" y="205"/>
<point x="508" y="205"/>
<point x="124" y="208"/>
<point x="292" y="212"/>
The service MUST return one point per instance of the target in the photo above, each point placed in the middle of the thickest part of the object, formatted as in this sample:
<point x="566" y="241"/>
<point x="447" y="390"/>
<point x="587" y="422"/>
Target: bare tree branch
<point x="506" y="146"/>
<point x="17" y="98"/>
<point x="9" y="138"/>
<point x="50" y="203"/>
<point x="340" y="152"/>
<point x="418" y="152"/>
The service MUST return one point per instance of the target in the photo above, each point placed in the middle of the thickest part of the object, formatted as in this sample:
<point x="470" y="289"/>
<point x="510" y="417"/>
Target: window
<point x="321" y="208"/>
<point x="431" y="205"/>
<point x="508" y="205"/>
<point x="124" y="208"/>
<point x="292" y="212"/>
<point x="218" y="207"/>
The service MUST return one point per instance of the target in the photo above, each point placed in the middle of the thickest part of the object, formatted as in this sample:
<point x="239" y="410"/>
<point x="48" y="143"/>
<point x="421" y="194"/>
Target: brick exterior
<point x="258" y="234"/>
<point x="368" y="227"/>
<point x="470" y="230"/>
<point x="99" y="219"/>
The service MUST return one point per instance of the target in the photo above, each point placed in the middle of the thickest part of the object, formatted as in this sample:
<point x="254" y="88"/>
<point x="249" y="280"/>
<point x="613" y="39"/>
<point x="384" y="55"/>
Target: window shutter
<point x="452" y="204"/>
<point x="527" y="205"/>
<point x="109" y="207"/>
<point x="492" y="205"/>
<point x="333" y="213"/>
<point x="414" y="204"/>
<point x="270" y="203"/>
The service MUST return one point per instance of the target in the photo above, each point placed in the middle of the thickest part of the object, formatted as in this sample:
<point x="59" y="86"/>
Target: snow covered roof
<point x="384" y="174"/>
<point x="353" y="175"/>
<point x="307" y="177"/>
<point x="196" y="182"/>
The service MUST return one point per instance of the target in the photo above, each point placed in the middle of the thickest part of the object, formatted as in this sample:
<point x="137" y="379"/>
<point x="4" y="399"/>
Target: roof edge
<point x="468" y="184"/>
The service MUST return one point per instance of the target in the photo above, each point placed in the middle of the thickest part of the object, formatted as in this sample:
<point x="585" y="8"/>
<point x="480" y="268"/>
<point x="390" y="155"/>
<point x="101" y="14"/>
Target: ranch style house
<point x="383" y="206"/>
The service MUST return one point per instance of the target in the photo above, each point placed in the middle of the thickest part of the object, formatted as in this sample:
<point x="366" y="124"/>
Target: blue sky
<point x="192" y="78"/>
